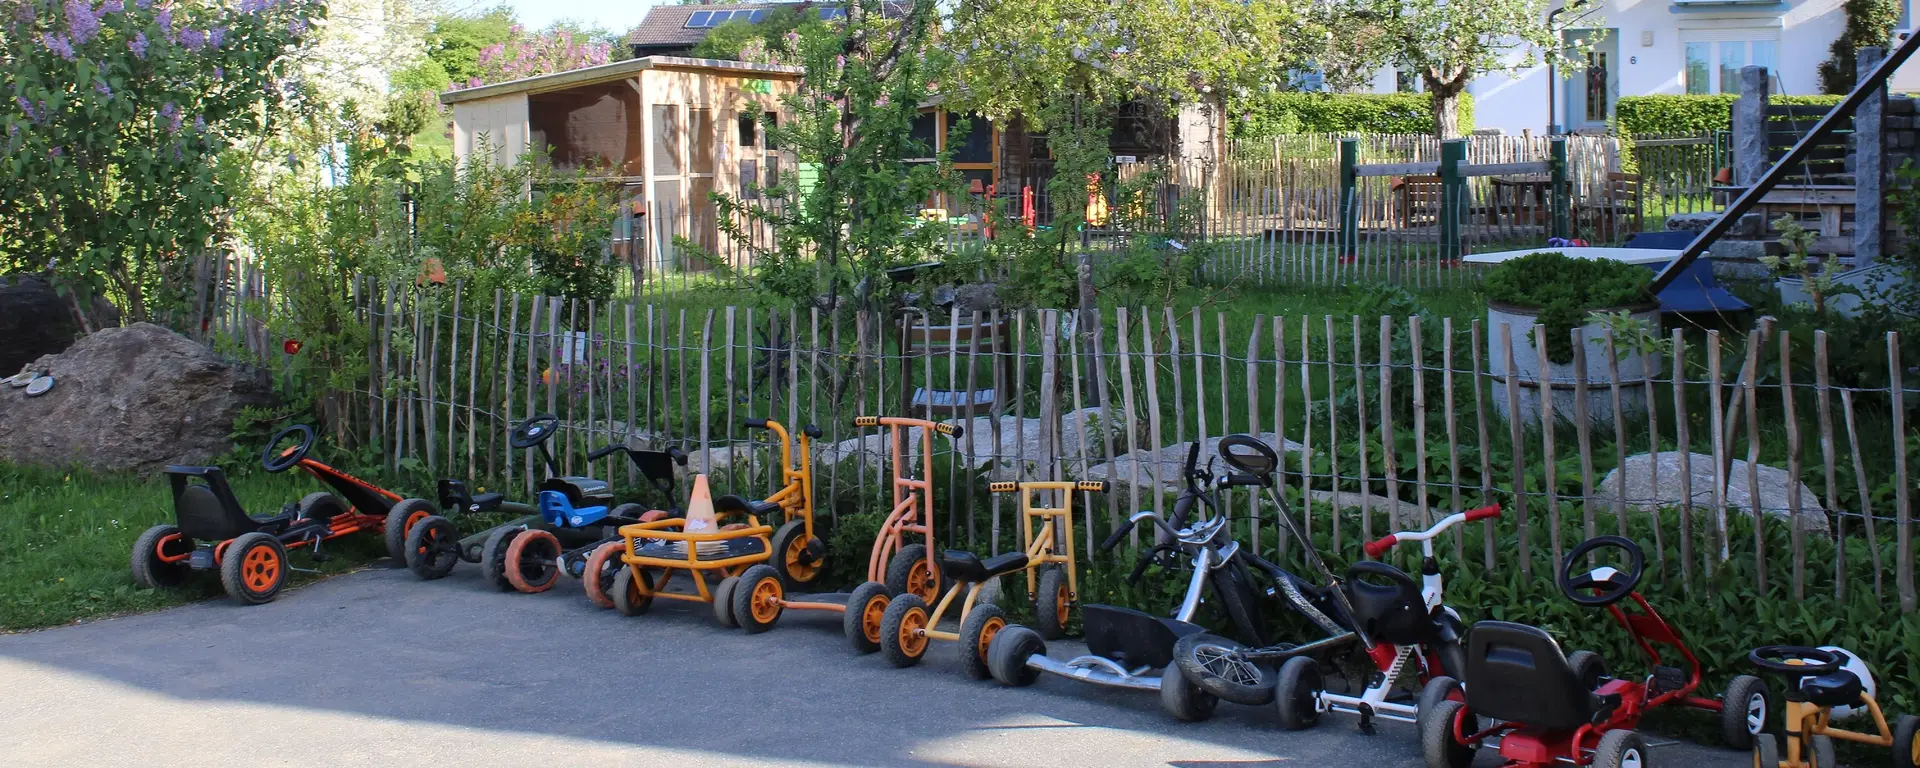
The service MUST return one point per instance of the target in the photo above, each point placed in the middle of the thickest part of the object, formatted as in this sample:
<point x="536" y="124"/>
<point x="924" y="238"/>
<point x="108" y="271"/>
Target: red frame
<point x="1525" y="746"/>
<point x="355" y="491"/>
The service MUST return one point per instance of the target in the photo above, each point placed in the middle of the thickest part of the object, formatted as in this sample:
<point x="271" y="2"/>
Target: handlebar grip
<point x="678" y="456"/>
<point x="812" y="431"/>
<point x="1003" y="487"/>
<point x="754" y="423"/>
<point x="950" y="430"/>
<point x="1483" y="513"/>
<point x="1237" y="479"/>
<point x="1139" y="569"/>
<point x="866" y="421"/>
<point x="1380" y="546"/>
<point x="603" y="452"/>
<point x="1096" y="486"/>
<point x="1113" y="539"/>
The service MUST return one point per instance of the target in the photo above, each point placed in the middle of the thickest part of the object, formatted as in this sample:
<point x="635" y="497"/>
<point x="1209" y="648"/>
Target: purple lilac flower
<point x="112" y="6"/>
<point x="171" y="114"/>
<point x="56" y="152"/>
<point x="219" y="73"/>
<point x="139" y="45"/>
<point x="200" y="123"/>
<point x="192" y="39"/>
<point x="102" y="87"/>
<point x="165" y="19"/>
<point x="23" y="13"/>
<point x="82" y="22"/>
<point x="143" y="4"/>
<point x="58" y="44"/>
<point x="297" y="27"/>
<point x="217" y="37"/>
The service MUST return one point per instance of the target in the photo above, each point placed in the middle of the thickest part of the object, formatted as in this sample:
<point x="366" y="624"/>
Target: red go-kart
<point x="1548" y="708"/>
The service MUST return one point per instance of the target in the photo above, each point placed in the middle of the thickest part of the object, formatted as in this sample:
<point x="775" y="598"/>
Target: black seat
<point x="730" y="504"/>
<point x="1133" y="638"/>
<point x="205" y="509"/>
<point x="581" y="491"/>
<point x="1393" y="613"/>
<point x="488" y="501"/>
<point x="1516" y="672"/>
<point x="966" y="568"/>
<point x="1839" y="688"/>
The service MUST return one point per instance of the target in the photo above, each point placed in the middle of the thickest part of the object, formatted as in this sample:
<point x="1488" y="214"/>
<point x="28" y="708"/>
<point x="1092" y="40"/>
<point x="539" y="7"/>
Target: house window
<point x="1713" y="65"/>
<point x="749" y="180"/>
<point x="1406" y="81"/>
<point x="747" y="129"/>
<point x="1597" y="91"/>
<point x="772" y="121"/>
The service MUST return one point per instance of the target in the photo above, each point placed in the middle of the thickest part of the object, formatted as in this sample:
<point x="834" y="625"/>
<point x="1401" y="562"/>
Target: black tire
<point x="149" y="571"/>
<point x="900" y="571"/>
<point x="1906" y="742"/>
<point x="1743" y="712"/>
<point x="794" y="554"/>
<point x="1182" y="699"/>
<point x="1436" y="690"/>
<point x="1437" y="743"/>
<point x="983" y="623"/>
<point x="1621" y="748"/>
<point x="1052" y="604"/>
<point x="320" y="505"/>
<point x="1008" y="653"/>
<point x="400" y="522"/>
<point x="254" y="568"/>
<point x="1821" y="747"/>
<point x="1234" y="586"/>
<point x="493" y="558"/>
<point x="1296" y="693"/>
<point x="433" y="548"/>
<point x="630" y="597"/>
<point x="1216" y="665"/>
<point x="1766" y="751"/>
<point x="752" y="598"/>
<point x="723" y="602"/>
<point x="1589" y="668"/>
<point x="899" y="642"/>
<point x="866" y="609"/>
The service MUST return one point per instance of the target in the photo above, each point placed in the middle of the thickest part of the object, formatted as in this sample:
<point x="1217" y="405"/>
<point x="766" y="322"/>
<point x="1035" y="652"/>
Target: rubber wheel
<point x="1436" y="690"/>
<point x="149" y="571"/>
<point x="1766" y="751"/>
<point x="1906" y="742"/>
<point x="901" y="638"/>
<point x="533" y="561"/>
<point x="1052" y="604"/>
<point x="723" y="602"/>
<point x="493" y="558"/>
<point x="1182" y="699"/>
<point x="1437" y="743"/>
<point x="601" y="566"/>
<point x="632" y="592"/>
<point x="794" y="553"/>
<point x="1822" y="752"/>
<point x="254" y="568"/>
<point x="1216" y="665"/>
<point x="321" y="505"/>
<point x="1743" y="711"/>
<point x="866" y="610"/>
<point x="911" y="572"/>
<point x="1008" y="653"/>
<point x="1296" y="692"/>
<point x="982" y="624"/>
<point x="1620" y="748"/>
<point x="400" y="522"/>
<point x="756" y="599"/>
<point x="433" y="548"/>
<point x="1589" y="668"/>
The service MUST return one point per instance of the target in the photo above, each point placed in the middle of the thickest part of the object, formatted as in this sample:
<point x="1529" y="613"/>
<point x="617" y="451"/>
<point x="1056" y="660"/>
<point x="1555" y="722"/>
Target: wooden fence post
<point x="1558" y="193"/>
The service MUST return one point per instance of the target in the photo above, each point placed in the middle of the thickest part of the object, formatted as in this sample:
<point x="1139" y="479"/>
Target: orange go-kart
<point x="212" y="531"/>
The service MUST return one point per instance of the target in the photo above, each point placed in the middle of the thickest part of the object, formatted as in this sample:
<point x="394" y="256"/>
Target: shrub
<point x="1564" y="289"/>
<point x="1276" y="114"/>
<point x="1688" y="114"/>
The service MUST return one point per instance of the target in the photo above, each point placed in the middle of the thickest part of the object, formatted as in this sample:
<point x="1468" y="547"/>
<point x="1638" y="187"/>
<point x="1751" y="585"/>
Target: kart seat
<point x="1840" y="688"/>
<point x="966" y="568"/>
<point x="205" y="508"/>
<point x="1517" y="672"/>
<point x="731" y="504"/>
<point x="488" y="501"/>
<point x="1393" y="613"/>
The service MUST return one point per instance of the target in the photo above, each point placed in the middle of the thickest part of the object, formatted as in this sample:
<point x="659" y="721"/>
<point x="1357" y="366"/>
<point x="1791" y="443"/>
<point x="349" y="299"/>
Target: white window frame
<point x="1714" y="38"/>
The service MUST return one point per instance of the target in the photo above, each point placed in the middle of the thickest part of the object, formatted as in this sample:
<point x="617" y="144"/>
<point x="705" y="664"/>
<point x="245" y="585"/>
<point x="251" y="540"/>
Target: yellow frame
<point x="1814" y="720"/>
<point x="1056" y="530"/>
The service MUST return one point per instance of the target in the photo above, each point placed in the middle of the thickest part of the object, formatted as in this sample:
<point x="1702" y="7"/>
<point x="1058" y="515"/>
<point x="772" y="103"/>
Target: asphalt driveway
<point x="377" y="668"/>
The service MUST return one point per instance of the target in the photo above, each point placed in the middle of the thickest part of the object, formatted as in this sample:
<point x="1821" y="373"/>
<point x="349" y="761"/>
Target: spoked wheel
<point x="1008" y="653"/>
<point x="632" y="591"/>
<point x="1220" y="667"/>
<point x="1620" y="749"/>
<point x="903" y="638"/>
<point x="254" y="568"/>
<point x="1743" y="711"/>
<point x="533" y="561"/>
<point x="1182" y="699"/>
<point x="1437" y="742"/>
<point x="1052" y="604"/>
<point x="432" y="547"/>
<point x="602" y="565"/>
<point x="159" y="558"/>
<point x="756" y="598"/>
<point x="866" y="610"/>
<point x="976" y="638"/>
<point x="911" y="572"/>
<point x="493" y="558"/>
<point x="400" y="522"/>
<point x="796" y="556"/>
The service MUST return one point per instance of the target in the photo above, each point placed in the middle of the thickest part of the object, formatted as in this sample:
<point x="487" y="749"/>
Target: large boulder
<point x="1169" y="462"/>
<point x="1642" y="495"/>
<point x="129" y="399"/>
<point x="36" y="321"/>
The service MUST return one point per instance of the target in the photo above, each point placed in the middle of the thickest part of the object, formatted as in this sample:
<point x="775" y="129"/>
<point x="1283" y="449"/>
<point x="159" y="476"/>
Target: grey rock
<point x="1404" y="514"/>
<point x="36" y="321"/>
<point x="1167" y="462"/>
<point x="1749" y="226"/>
<point x="1641" y="494"/>
<point x="129" y="399"/>
<point x="976" y="297"/>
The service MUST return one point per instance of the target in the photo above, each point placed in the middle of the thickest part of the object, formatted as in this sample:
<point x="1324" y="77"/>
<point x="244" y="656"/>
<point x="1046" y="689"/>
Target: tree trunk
<point x="1446" y="104"/>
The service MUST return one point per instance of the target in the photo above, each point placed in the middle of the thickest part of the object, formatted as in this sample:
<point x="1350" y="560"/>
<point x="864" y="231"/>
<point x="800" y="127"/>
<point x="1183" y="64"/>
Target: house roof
<point x="619" y="70"/>
<point x="666" y="25"/>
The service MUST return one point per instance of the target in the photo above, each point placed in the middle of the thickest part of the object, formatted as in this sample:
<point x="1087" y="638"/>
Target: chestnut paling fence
<point x="1384" y="421"/>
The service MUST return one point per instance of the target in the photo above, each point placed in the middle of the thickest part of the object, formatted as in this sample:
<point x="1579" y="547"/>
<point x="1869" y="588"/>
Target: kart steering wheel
<point x="1613" y="584"/>
<point x="284" y="460"/>
<point x="1797" y="660"/>
<point x="534" y="431"/>
<point x="1244" y="453"/>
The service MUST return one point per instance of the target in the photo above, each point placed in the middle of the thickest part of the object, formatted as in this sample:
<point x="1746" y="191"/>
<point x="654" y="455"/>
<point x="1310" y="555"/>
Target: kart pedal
<point x="1667" y="679"/>
<point x="1366" y="719"/>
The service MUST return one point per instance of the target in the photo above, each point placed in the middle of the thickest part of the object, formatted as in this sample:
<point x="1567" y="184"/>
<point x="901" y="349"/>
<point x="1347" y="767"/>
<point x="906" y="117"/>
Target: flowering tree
<point x="116" y="116"/>
<point x="526" y="54"/>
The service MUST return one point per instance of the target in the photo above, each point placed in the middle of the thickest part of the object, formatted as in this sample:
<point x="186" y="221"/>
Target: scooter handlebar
<point x="1483" y="513"/>
<point x="1379" y="546"/>
<point x="755" y="423"/>
<point x="1113" y="539"/>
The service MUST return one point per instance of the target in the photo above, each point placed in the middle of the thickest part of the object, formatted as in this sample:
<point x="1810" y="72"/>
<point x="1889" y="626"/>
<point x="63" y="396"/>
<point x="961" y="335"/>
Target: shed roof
<point x="620" y="70"/>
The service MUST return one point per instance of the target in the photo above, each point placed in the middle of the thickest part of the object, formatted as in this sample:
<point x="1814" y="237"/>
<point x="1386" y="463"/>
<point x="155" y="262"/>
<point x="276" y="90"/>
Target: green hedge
<point x="1277" y="114"/>
<point x="1688" y="115"/>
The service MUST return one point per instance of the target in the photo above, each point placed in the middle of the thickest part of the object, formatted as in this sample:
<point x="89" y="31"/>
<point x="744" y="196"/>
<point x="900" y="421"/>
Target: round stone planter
<point x="1561" y="380"/>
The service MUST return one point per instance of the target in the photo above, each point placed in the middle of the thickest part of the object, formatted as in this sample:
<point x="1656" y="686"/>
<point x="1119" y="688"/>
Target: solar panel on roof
<point x="699" y="19"/>
<point x="756" y="16"/>
<point x="829" y="14"/>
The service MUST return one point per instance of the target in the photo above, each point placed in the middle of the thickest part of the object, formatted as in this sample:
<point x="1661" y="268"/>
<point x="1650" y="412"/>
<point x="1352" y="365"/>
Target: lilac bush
<point x="527" y="54"/>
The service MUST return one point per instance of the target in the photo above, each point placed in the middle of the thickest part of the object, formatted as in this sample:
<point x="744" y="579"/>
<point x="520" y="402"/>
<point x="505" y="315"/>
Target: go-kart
<point x="1824" y="684"/>
<point x="567" y="530"/>
<point x="1549" y="708"/>
<point x="212" y="531"/>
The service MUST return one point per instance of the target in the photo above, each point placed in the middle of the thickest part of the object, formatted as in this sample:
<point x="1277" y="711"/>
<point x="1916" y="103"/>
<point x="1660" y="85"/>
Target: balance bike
<point x="1053" y="582"/>
<point x="212" y="531"/>
<point x="893" y="567"/>
<point x="1824" y="683"/>
<point x="1549" y="708"/>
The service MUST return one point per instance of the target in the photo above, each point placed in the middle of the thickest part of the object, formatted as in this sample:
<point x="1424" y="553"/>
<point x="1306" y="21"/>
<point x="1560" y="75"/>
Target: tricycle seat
<point x="1517" y="672"/>
<point x="732" y="504"/>
<point x="1840" y="688"/>
<point x="966" y="568"/>
<point x="488" y="501"/>
<point x="1133" y="638"/>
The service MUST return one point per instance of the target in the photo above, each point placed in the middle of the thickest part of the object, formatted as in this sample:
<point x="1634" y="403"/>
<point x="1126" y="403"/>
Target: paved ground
<point x="375" y="668"/>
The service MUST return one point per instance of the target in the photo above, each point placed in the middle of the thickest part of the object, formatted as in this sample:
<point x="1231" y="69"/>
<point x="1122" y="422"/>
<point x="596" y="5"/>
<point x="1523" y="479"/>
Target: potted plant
<point x="1561" y="293"/>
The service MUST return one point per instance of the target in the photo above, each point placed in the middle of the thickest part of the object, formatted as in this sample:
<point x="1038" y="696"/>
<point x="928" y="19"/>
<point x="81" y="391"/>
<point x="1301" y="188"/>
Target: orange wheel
<point x="797" y="554"/>
<point x="533" y="561"/>
<point x="903" y="630"/>
<point x="866" y="609"/>
<point x="401" y="520"/>
<point x="756" y="598"/>
<point x="976" y="636"/>
<point x="602" y="565"/>
<point x="255" y="568"/>
<point x="921" y="581"/>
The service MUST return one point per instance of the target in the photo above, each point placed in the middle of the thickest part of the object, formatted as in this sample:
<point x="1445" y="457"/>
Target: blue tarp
<point x="1694" y="290"/>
